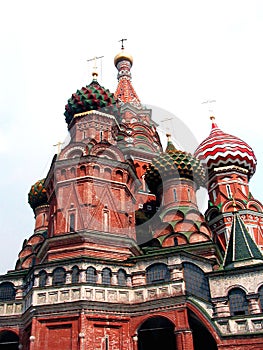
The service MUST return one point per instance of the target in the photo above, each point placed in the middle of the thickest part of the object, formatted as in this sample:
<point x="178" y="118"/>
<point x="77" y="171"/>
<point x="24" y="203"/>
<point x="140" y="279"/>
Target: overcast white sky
<point x="185" y="52"/>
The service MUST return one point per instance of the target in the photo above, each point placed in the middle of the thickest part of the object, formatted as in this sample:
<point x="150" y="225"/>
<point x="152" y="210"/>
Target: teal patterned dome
<point x="91" y="97"/>
<point x="174" y="163"/>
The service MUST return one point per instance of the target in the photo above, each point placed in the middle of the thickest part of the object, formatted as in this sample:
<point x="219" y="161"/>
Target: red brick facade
<point x="117" y="262"/>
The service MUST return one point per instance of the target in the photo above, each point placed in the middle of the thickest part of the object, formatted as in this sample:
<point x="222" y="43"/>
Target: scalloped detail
<point x="220" y="149"/>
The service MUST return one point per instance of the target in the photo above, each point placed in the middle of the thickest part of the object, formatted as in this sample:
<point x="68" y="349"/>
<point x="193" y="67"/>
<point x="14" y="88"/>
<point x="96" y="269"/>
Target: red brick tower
<point x="138" y="137"/>
<point x="230" y="163"/>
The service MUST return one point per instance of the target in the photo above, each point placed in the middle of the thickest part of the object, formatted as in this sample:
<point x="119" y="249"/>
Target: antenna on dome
<point x="95" y="68"/>
<point x="122" y="40"/>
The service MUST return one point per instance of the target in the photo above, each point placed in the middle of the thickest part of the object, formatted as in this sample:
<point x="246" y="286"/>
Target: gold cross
<point x="122" y="40"/>
<point x="58" y="145"/>
<point x="95" y="58"/>
<point x="209" y="102"/>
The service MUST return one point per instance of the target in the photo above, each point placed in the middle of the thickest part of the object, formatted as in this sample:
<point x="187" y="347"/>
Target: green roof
<point x="241" y="248"/>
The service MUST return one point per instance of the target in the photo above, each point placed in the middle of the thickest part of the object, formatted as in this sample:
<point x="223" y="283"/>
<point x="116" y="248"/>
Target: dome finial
<point x="214" y="125"/>
<point x="170" y="146"/>
<point x="123" y="55"/>
<point x="95" y="67"/>
<point x="168" y="135"/>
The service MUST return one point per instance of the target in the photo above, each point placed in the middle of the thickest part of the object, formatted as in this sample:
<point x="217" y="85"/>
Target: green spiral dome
<point x="174" y="163"/>
<point x="91" y="97"/>
<point x="37" y="195"/>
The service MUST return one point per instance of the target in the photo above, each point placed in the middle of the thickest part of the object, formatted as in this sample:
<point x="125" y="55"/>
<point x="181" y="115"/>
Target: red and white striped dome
<point x="220" y="149"/>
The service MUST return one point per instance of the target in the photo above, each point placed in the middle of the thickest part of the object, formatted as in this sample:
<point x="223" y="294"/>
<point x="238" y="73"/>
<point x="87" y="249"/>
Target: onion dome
<point x="220" y="149"/>
<point x="89" y="98"/>
<point x="174" y="163"/>
<point x="123" y="56"/>
<point x="37" y="195"/>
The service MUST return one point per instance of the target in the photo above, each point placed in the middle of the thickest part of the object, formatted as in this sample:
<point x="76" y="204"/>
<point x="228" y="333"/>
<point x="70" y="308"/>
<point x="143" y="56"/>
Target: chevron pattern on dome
<point x="174" y="164"/>
<point x="221" y="149"/>
<point x="91" y="97"/>
<point x="37" y="195"/>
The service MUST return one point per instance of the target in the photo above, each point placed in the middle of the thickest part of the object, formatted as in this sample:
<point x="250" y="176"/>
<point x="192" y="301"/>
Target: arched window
<point x="63" y="174"/>
<point x="122" y="278"/>
<point x="7" y="291"/>
<point x="59" y="276"/>
<point x="91" y="275"/>
<point x="196" y="282"/>
<point x="238" y="304"/>
<point x="75" y="274"/>
<point x="107" y="173"/>
<point x="42" y="278"/>
<point x="96" y="170"/>
<point x="157" y="273"/>
<point x="82" y="170"/>
<point x="119" y="175"/>
<point x="73" y="172"/>
<point x="260" y="292"/>
<point x="106" y="276"/>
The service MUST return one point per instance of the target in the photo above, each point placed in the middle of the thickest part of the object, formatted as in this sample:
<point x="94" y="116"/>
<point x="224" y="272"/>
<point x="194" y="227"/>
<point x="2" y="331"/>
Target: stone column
<point x="253" y="303"/>
<point x="114" y="279"/>
<point x="82" y="328"/>
<point x="221" y="307"/>
<point x="82" y="276"/>
<point x="32" y="337"/>
<point x="135" y="342"/>
<point x="184" y="339"/>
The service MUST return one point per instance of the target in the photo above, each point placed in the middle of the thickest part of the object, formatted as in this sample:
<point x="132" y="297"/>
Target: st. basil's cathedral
<point x="121" y="258"/>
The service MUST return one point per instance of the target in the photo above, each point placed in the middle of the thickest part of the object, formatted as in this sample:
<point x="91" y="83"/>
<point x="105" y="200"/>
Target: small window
<point x="175" y="195"/>
<point x="63" y="174"/>
<point x="91" y="275"/>
<point x="75" y="274"/>
<point x="42" y="278"/>
<point x="105" y="220"/>
<point x="122" y="278"/>
<point x="214" y="195"/>
<point x="157" y="273"/>
<point x="238" y="304"/>
<point x="260" y="292"/>
<point x="189" y="195"/>
<point x="106" y="276"/>
<point x="7" y="291"/>
<point x="119" y="175"/>
<point x="228" y="190"/>
<point x="59" y="276"/>
<point x="72" y="222"/>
